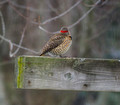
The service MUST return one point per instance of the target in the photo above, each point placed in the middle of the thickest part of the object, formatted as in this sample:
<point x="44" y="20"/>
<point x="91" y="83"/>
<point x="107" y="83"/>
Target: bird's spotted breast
<point x="63" y="47"/>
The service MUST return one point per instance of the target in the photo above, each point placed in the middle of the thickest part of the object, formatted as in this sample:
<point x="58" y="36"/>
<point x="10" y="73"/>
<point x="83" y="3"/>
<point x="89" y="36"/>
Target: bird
<point x="58" y="44"/>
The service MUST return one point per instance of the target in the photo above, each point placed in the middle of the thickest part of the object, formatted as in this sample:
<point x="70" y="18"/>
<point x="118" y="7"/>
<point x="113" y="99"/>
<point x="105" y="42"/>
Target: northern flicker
<point x="58" y="43"/>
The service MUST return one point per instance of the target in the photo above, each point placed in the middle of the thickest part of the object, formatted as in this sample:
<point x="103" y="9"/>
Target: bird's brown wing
<point x="54" y="41"/>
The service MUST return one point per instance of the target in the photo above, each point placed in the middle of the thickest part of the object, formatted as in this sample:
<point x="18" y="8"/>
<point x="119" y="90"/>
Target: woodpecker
<point x="58" y="43"/>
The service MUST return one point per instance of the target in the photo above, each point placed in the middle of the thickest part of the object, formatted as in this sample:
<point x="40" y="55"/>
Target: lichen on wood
<point x="20" y="72"/>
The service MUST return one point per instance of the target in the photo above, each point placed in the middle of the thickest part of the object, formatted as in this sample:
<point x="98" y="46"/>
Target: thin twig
<point x="23" y="7"/>
<point x="51" y="7"/>
<point x="3" y="26"/>
<point x="102" y="2"/>
<point x="20" y="43"/>
<point x="11" y="43"/>
<point x="14" y="44"/>
<point x="11" y="47"/>
<point x="43" y="29"/>
<point x="80" y="19"/>
<point x="62" y="14"/>
<point x="27" y="49"/>
<point x="48" y="20"/>
<point x="23" y="15"/>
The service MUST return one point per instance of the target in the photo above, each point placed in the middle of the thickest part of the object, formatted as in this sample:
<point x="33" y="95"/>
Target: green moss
<point x="45" y="62"/>
<point x="21" y="66"/>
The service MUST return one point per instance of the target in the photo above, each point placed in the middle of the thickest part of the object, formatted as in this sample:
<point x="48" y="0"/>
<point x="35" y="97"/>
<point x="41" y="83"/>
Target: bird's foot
<point x="64" y="56"/>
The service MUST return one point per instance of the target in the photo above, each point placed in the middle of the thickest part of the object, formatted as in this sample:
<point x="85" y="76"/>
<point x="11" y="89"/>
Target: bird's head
<point x="64" y="30"/>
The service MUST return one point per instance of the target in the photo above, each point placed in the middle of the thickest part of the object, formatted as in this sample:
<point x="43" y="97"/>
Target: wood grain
<point x="67" y="73"/>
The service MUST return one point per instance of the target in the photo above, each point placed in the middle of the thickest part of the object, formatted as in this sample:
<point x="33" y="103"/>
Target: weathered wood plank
<point x="67" y="73"/>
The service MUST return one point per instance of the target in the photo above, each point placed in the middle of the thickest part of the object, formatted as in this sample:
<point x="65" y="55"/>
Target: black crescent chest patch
<point x="70" y="37"/>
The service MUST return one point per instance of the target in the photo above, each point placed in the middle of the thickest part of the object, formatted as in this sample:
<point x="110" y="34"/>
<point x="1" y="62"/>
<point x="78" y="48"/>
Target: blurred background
<point x="95" y="36"/>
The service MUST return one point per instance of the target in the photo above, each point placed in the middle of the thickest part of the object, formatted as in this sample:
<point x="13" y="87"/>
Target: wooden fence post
<point x="83" y="74"/>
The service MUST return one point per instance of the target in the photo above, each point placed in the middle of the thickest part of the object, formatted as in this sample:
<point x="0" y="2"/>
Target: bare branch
<point x="27" y="49"/>
<point x="23" y="7"/>
<point x="3" y="26"/>
<point x="80" y="19"/>
<point x="20" y="43"/>
<point x="48" y="20"/>
<point x="43" y="23"/>
<point x="40" y="27"/>
<point x="23" y="15"/>
<point x="62" y="14"/>
<point x="102" y="2"/>
<point x="14" y="44"/>
<point x="11" y="48"/>
<point x="54" y="18"/>
<point x="51" y="6"/>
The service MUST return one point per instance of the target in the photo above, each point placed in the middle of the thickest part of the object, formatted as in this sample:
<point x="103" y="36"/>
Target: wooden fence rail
<point x="81" y="74"/>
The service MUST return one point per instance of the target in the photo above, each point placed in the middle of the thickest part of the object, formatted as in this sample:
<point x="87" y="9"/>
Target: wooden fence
<point x="83" y="74"/>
